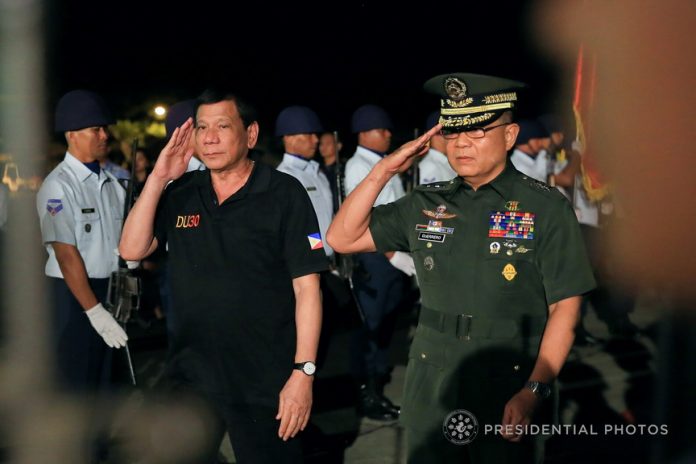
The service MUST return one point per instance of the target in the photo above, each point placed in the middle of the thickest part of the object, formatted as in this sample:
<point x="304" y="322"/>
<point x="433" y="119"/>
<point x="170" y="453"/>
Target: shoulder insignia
<point x="540" y="185"/>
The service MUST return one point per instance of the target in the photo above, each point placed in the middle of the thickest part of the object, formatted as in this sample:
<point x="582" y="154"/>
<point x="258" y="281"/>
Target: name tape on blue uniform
<point x="315" y="242"/>
<point x="511" y="224"/>
<point x="54" y="206"/>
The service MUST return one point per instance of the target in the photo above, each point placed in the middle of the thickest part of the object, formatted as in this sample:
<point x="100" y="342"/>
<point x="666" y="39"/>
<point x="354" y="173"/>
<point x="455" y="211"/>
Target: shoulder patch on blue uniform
<point x="54" y="206"/>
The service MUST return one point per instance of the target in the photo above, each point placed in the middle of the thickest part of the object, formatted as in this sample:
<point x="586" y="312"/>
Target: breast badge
<point x="428" y="263"/>
<point x="439" y="213"/>
<point x="494" y="248"/>
<point x="509" y="272"/>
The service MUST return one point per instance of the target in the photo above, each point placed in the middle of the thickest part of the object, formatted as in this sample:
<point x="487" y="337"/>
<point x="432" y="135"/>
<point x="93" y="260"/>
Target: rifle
<point x="346" y="264"/>
<point x="123" y="295"/>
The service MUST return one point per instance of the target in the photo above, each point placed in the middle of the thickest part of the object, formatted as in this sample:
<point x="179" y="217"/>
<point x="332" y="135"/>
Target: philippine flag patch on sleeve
<point x="315" y="242"/>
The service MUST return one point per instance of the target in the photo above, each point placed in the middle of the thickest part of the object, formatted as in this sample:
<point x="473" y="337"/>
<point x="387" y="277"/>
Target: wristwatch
<point x="307" y="367"/>
<point x="542" y="390"/>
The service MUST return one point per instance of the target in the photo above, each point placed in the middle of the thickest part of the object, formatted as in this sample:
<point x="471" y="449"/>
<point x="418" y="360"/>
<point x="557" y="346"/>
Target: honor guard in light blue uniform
<point x="80" y="211"/>
<point x="379" y="283"/>
<point x="298" y="126"/>
<point x="434" y="167"/>
<point x="501" y="266"/>
<point x="530" y="156"/>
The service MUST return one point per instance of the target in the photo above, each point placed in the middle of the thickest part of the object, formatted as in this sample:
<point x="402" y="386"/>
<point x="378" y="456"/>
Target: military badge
<point x="494" y="248"/>
<point x="54" y="206"/>
<point x="509" y="272"/>
<point x="455" y="88"/>
<point x="512" y="205"/>
<point x="439" y="213"/>
<point x="522" y="250"/>
<point x="428" y="263"/>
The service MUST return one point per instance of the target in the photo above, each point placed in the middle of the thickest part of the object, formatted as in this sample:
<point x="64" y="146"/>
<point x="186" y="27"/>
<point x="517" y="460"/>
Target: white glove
<point x="130" y="264"/>
<point x="106" y="326"/>
<point x="403" y="262"/>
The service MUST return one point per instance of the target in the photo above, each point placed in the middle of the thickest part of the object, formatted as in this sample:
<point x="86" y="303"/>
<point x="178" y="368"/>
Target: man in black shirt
<point x="245" y="253"/>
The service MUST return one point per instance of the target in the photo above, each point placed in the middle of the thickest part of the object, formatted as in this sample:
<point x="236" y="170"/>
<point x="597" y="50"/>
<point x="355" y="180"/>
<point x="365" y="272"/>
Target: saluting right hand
<point x="174" y="158"/>
<point x="402" y="159"/>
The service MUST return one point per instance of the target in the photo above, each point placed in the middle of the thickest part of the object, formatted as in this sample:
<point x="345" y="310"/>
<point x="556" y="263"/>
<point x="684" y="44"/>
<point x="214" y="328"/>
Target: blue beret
<point x="79" y="109"/>
<point x="369" y="117"/>
<point x="432" y="120"/>
<point x="297" y="120"/>
<point x="178" y="114"/>
<point x="530" y="129"/>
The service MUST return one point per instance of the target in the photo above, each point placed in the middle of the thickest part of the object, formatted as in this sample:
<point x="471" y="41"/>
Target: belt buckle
<point x="464" y="326"/>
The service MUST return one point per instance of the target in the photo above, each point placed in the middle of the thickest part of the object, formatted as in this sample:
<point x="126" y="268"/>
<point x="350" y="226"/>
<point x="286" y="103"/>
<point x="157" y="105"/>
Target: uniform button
<point x="516" y="367"/>
<point x="429" y="245"/>
<point x="509" y="252"/>
<point x="423" y="356"/>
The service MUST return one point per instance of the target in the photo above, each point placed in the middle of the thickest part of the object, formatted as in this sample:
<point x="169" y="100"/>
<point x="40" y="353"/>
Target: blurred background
<point x="619" y="75"/>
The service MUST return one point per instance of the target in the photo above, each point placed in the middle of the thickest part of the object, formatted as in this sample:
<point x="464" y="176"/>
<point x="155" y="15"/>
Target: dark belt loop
<point x="464" y="326"/>
<point x="441" y="322"/>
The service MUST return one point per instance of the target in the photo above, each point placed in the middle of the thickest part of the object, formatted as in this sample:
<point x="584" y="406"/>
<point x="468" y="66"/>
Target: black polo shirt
<point x="231" y="268"/>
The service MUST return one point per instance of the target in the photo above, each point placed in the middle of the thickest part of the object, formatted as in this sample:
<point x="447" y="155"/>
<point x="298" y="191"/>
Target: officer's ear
<point x="252" y="134"/>
<point x="511" y="132"/>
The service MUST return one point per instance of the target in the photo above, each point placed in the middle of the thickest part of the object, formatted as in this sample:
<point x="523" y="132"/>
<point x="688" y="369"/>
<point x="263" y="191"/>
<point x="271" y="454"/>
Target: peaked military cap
<point x="472" y="100"/>
<point x="530" y="129"/>
<point x="78" y="109"/>
<point x="369" y="117"/>
<point x="297" y="120"/>
<point x="178" y="114"/>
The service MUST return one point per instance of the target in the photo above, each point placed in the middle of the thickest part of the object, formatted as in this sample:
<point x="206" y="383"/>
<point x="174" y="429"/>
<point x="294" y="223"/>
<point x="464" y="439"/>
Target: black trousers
<point x="253" y="430"/>
<point x="83" y="358"/>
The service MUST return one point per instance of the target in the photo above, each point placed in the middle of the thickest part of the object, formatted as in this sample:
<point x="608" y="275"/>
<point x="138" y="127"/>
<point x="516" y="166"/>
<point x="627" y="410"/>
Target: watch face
<point x="309" y="368"/>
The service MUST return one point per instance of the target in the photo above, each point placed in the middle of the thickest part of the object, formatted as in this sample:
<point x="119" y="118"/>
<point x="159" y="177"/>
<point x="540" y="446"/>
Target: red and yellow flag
<point x="595" y="185"/>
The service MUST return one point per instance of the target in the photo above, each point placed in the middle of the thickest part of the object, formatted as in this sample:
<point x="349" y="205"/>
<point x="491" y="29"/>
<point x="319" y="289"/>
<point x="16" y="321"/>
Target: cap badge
<point x="455" y="88"/>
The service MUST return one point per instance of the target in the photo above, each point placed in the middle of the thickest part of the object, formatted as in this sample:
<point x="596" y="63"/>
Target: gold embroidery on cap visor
<point x="459" y="113"/>
<point x="468" y="120"/>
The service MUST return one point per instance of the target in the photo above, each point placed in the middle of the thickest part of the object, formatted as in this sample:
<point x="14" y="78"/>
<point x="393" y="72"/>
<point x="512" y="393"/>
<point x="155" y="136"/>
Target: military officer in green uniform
<point x="502" y="267"/>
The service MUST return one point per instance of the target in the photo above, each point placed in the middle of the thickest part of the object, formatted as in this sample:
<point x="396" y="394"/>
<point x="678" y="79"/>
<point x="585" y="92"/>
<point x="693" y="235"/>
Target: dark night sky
<point x="331" y="58"/>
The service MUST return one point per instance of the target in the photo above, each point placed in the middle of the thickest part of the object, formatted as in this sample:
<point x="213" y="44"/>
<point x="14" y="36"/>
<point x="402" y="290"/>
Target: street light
<point x="160" y="112"/>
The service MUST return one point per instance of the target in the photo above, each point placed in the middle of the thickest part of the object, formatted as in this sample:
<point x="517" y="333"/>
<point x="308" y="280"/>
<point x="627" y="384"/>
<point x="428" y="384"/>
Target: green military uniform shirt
<point x="489" y="263"/>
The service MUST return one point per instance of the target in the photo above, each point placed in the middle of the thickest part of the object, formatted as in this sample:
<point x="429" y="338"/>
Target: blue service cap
<point x="369" y="117"/>
<point x="178" y="114"/>
<point x="78" y="109"/>
<point x="530" y="129"/>
<point x="551" y="123"/>
<point x="432" y="120"/>
<point x="297" y="120"/>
